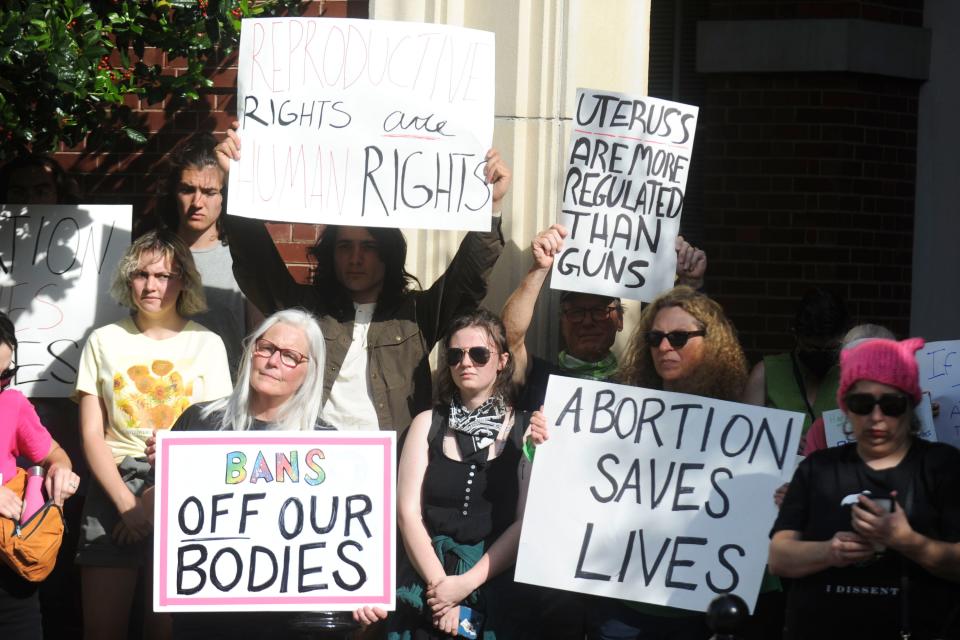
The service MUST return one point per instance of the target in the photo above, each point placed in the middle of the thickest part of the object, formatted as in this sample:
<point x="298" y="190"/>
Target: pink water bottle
<point x="33" y="495"/>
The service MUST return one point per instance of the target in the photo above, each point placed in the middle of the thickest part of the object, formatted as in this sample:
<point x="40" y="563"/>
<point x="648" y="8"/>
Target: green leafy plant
<point x="68" y="66"/>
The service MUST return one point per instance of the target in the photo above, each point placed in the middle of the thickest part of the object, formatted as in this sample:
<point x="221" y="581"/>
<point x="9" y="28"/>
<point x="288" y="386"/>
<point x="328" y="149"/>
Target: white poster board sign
<point x="364" y="122"/>
<point x="837" y="431"/>
<point x="939" y="367"/>
<point x="651" y="496"/>
<point x="623" y="194"/>
<point x="274" y="521"/>
<point x="56" y="265"/>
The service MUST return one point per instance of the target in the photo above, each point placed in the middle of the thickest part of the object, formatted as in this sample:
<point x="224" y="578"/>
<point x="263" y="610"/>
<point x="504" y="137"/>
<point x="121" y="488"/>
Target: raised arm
<point x="464" y="284"/>
<point x="518" y="311"/>
<point x="691" y="264"/>
<point x="257" y="266"/>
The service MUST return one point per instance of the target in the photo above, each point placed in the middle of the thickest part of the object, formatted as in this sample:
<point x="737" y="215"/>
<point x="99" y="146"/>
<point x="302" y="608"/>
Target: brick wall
<point x="808" y="179"/>
<point x="133" y="173"/>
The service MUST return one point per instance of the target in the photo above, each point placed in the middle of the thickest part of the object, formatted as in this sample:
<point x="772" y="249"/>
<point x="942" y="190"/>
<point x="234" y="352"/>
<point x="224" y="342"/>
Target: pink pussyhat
<point x="885" y="361"/>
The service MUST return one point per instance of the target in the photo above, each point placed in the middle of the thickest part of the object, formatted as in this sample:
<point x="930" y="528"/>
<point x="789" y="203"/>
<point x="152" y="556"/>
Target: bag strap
<point x="905" y="633"/>
<point x="798" y="376"/>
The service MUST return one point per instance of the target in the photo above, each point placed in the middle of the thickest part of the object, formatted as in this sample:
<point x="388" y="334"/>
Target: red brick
<point x="279" y="231"/>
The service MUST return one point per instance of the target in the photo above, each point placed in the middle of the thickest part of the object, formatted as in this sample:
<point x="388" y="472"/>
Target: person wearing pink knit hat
<point x="870" y="531"/>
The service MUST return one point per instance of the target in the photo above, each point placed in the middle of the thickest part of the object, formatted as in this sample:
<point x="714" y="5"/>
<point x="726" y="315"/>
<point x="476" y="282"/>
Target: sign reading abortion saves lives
<point x="364" y="122"/>
<point x="651" y="496"/>
<point x="274" y="521"/>
<point x="623" y="194"/>
<point x="56" y="265"/>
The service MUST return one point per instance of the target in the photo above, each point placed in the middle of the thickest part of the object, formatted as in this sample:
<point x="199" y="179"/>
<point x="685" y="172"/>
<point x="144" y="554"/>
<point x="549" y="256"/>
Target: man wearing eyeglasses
<point x="589" y="323"/>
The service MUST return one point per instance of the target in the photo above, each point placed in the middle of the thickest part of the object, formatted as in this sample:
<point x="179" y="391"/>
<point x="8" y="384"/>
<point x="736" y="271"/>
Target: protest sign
<point x="56" y="266"/>
<point x="623" y="194"/>
<point x="837" y="430"/>
<point x="657" y="497"/>
<point x="936" y="362"/>
<point x="364" y="122"/>
<point x="274" y="521"/>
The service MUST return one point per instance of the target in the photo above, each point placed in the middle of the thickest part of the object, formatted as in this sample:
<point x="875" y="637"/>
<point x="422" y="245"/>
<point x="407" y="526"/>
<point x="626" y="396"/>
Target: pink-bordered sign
<point x="274" y="521"/>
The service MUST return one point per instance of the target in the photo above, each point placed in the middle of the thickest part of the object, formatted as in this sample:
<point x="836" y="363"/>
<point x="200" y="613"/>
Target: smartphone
<point x="471" y="623"/>
<point x="884" y="502"/>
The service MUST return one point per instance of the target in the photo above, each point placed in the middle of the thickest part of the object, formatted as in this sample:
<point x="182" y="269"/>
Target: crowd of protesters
<point x="866" y="540"/>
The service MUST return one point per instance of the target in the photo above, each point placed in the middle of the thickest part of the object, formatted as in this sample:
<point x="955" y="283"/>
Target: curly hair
<point x="492" y="325"/>
<point x="723" y="372"/>
<point x="163" y="242"/>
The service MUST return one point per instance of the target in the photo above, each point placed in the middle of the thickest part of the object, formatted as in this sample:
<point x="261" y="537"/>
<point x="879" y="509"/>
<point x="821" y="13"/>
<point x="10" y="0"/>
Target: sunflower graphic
<point x="154" y="397"/>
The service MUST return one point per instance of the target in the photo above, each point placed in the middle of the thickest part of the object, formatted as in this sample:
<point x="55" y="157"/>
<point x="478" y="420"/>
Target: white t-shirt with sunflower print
<point x="146" y="384"/>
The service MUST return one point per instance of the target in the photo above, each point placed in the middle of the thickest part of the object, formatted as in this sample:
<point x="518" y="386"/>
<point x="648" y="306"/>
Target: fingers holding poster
<point x="623" y="194"/>
<point x="652" y="496"/>
<point x="364" y="122"/>
<point x="274" y="522"/>
<point x="56" y="266"/>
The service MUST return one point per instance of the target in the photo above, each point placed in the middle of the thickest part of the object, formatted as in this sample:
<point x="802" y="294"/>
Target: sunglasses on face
<point x="677" y="339"/>
<point x="893" y="405"/>
<point x="7" y="374"/>
<point x="478" y="355"/>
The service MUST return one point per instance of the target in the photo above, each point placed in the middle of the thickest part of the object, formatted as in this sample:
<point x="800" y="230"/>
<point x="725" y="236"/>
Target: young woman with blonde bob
<point x="135" y="376"/>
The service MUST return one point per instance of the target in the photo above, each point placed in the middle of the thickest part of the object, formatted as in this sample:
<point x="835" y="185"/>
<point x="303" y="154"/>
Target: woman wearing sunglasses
<point x="869" y="531"/>
<point x="462" y="485"/>
<point x="682" y="343"/>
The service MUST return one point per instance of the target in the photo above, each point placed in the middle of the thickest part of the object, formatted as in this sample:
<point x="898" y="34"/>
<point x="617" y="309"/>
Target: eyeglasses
<point x="677" y="339"/>
<point x="577" y="315"/>
<point x="288" y="357"/>
<point x="8" y="374"/>
<point x="891" y="404"/>
<point x="162" y="278"/>
<point x="478" y="355"/>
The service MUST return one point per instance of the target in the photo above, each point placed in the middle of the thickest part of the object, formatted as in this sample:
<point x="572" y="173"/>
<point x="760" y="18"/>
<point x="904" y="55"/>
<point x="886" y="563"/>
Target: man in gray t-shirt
<point x="195" y="194"/>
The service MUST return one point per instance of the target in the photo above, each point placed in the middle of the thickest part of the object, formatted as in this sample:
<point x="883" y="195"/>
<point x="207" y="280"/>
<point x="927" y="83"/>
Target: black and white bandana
<point x="480" y="426"/>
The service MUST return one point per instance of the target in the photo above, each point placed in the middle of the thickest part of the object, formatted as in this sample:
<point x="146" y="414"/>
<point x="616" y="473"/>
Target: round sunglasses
<point x="478" y="355"/>
<point x="677" y="339"/>
<point x="893" y="405"/>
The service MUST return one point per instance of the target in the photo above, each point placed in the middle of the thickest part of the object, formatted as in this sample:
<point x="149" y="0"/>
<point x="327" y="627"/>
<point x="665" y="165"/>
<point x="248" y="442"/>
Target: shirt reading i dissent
<point x="145" y="384"/>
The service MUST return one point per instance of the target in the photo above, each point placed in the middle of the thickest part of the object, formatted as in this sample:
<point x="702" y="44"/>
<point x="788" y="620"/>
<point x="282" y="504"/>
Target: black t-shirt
<point x="864" y="601"/>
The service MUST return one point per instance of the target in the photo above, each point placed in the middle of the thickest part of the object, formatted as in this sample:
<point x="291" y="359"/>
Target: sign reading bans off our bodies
<point x="657" y="497"/>
<point x="56" y="265"/>
<point x="364" y="122"/>
<point x="623" y="194"/>
<point x="278" y="521"/>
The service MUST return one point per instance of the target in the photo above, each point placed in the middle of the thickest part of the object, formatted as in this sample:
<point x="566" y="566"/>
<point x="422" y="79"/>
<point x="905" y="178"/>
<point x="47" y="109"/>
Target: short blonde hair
<point x="191" y="300"/>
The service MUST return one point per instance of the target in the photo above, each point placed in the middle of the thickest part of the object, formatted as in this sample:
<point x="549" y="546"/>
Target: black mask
<point x="817" y="361"/>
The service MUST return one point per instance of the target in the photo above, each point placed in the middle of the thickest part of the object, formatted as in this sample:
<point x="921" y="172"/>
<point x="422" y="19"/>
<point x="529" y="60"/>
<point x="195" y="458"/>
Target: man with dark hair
<point x="36" y="179"/>
<point x="379" y="326"/>
<point x="195" y="191"/>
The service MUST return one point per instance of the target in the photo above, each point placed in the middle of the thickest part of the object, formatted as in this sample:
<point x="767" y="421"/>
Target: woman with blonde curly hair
<point x="685" y="343"/>
<point x="135" y="376"/>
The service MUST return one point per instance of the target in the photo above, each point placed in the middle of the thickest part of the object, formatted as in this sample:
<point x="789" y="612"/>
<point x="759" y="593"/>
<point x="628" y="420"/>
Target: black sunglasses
<point x="478" y="355"/>
<point x="677" y="339"/>
<point x="8" y="373"/>
<point x="891" y="404"/>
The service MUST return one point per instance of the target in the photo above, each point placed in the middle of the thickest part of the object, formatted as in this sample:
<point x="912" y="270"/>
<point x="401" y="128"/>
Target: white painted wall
<point x="545" y="50"/>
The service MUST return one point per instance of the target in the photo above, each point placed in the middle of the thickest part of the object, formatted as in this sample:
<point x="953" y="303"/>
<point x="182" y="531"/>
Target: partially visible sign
<point x="274" y="521"/>
<point x="56" y="266"/>
<point x="936" y="362"/>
